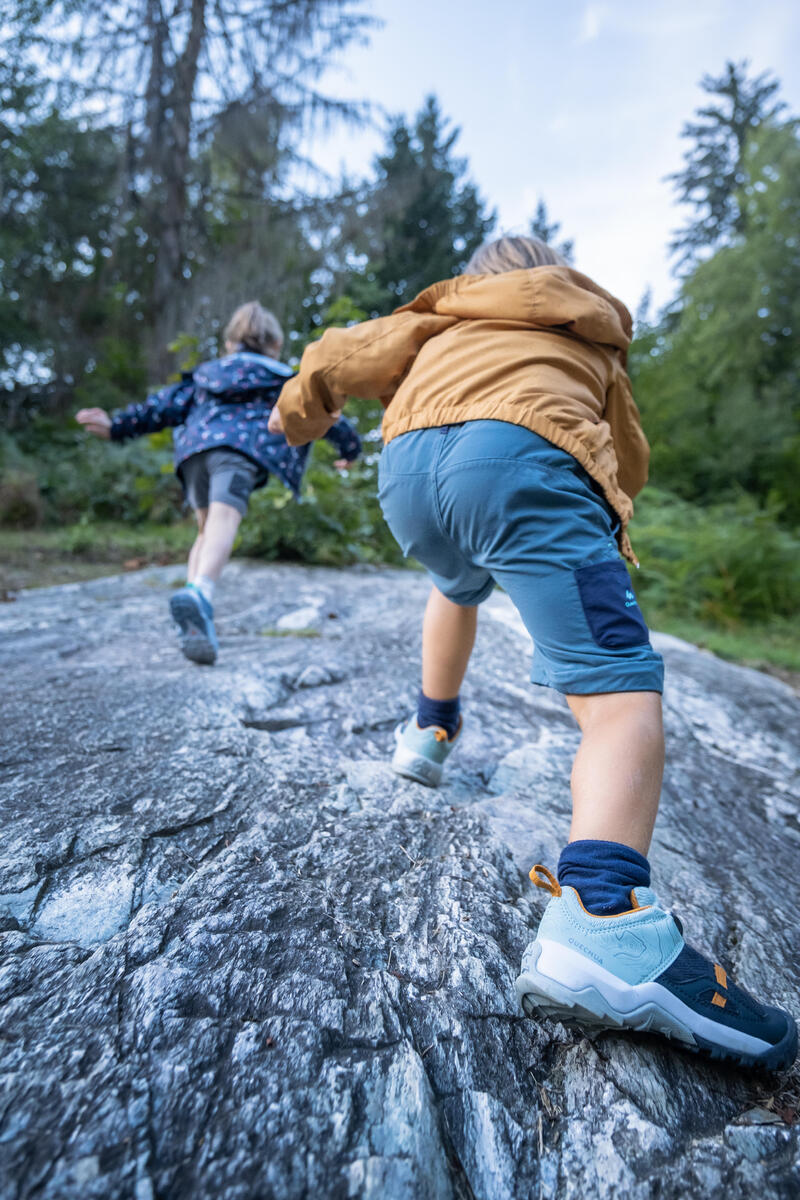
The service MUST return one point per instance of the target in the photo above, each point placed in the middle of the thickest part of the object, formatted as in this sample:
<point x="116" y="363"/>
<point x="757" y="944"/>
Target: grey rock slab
<point x="318" y="675"/>
<point x="300" y="618"/>
<point x="241" y="959"/>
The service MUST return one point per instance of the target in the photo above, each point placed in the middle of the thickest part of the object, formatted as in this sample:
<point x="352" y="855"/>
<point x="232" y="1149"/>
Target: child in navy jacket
<point x="223" y="452"/>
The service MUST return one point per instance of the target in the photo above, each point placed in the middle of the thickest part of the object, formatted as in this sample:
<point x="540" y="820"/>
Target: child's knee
<point x="225" y="514"/>
<point x="639" y="708"/>
<point x="439" y="599"/>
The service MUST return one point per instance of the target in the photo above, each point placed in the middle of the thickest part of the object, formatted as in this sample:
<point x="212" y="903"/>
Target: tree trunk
<point x="170" y="95"/>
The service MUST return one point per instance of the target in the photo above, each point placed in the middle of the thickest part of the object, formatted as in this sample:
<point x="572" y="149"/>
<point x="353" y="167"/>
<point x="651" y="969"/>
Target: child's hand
<point x="96" y="421"/>
<point x="342" y="464"/>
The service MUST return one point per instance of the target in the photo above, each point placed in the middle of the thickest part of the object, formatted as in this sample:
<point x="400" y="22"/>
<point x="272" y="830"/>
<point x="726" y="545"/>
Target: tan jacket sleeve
<point x="368" y="360"/>
<point x="630" y="444"/>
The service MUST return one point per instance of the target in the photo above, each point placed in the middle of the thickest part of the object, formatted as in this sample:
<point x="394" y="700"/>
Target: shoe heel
<point x="413" y="766"/>
<point x="182" y="610"/>
<point x="195" y="645"/>
<point x="542" y="996"/>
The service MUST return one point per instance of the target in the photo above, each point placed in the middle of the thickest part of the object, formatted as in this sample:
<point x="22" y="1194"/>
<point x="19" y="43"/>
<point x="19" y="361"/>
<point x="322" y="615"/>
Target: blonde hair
<point x="513" y="253"/>
<point x="255" y="328"/>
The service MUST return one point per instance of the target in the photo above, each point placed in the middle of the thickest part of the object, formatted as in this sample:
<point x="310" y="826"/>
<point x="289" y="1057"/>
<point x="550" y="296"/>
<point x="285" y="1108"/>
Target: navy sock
<point x="444" y="713"/>
<point x="603" y="874"/>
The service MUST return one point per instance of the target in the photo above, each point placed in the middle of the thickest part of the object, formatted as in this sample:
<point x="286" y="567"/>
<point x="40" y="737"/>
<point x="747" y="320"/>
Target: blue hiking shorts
<point x="488" y="502"/>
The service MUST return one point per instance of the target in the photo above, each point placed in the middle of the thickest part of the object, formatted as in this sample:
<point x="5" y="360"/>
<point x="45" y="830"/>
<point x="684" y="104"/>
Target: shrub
<point x="79" y="477"/>
<point x="726" y="563"/>
<point x="20" y="500"/>
<point x="337" y="521"/>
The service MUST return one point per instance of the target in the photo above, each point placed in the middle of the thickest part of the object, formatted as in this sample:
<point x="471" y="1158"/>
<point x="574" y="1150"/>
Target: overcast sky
<point x="581" y="103"/>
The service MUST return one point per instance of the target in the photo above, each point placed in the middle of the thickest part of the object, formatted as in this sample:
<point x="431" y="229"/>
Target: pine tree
<point x="715" y="169"/>
<point x="168" y="74"/>
<point x="547" y="231"/>
<point x="717" y="380"/>
<point x="424" y="218"/>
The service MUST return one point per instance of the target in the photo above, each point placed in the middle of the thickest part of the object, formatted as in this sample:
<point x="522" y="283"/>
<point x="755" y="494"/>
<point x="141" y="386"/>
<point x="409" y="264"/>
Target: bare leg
<point x="219" y="533"/>
<point x="616" y="776"/>
<point x="448" y="635"/>
<point x="191" y="571"/>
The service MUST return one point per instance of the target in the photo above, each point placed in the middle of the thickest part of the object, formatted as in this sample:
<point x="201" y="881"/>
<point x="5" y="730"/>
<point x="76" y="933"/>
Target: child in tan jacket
<point x="513" y="451"/>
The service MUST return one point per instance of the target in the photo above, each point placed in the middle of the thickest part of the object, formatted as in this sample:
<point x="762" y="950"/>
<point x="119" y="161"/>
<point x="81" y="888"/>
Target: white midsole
<point x="416" y="765"/>
<point x="577" y="973"/>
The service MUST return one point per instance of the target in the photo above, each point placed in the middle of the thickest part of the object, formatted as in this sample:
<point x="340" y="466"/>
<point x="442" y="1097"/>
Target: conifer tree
<point x="423" y="217"/>
<point x="715" y="161"/>
<point x="167" y="73"/>
<point x="542" y="227"/>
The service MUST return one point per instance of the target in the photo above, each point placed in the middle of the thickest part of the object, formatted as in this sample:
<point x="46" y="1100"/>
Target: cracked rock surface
<point x="241" y="959"/>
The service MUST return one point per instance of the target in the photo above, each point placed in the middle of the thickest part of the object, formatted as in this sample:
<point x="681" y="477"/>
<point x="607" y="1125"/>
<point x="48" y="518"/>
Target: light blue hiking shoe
<point x="421" y="753"/>
<point x="194" y="617"/>
<point x="634" y="971"/>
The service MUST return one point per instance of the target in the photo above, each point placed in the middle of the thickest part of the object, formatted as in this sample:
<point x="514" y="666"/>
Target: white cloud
<point x="592" y="20"/>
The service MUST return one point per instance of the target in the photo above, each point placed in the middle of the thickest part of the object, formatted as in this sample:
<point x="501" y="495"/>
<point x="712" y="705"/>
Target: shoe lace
<point x="545" y="880"/>
<point x="440" y="734"/>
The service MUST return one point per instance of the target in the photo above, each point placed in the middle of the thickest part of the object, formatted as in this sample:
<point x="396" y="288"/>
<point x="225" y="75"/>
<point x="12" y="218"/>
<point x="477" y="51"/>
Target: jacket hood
<point x="240" y="372"/>
<point x="542" y="297"/>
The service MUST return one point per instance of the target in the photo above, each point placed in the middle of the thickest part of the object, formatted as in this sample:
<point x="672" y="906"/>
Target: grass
<point x="301" y="633"/>
<point x="768" y="646"/>
<point x="45" y="557"/>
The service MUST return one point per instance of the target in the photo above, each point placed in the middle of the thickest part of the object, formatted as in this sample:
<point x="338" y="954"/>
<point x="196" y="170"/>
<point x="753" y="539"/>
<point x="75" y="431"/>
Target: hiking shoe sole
<point x="194" y="640"/>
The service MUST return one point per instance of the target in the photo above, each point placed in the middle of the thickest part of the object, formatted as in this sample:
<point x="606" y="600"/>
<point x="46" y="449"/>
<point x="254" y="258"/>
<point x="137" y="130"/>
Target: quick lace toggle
<point x="545" y="880"/>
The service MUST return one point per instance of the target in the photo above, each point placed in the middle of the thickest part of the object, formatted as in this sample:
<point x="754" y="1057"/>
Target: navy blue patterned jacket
<point x="226" y="403"/>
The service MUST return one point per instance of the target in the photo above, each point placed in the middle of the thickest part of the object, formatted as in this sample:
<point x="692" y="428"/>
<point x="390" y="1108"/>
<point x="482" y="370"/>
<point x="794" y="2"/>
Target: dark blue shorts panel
<point x="566" y="655"/>
<point x="610" y="605"/>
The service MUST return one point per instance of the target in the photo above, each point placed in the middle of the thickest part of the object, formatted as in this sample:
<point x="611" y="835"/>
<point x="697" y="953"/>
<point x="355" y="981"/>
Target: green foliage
<point x="188" y="351"/>
<point x="770" y="645"/>
<point x="717" y="379"/>
<point x="47" y="556"/>
<point x="343" y="311"/>
<point x="715" y="166"/>
<point x="728" y="563"/>
<point x="81" y="478"/>
<point x="422" y="218"/>
<point x="57" y="211"/>
<point x="547" y="231"/>
<point x="337" y="521"/>
<point x="145" y="179"/>
<point x="133" y="482"/>
<point x="114" y="376"/>
<point x="20" y="499"/>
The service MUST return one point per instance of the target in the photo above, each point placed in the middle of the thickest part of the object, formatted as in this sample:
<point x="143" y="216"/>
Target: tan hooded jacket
<point x="544" y="348"/>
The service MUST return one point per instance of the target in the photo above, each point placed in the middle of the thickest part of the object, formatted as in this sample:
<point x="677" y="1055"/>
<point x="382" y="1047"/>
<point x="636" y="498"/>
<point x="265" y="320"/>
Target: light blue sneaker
<point x="634" y="971"/>
<point x="421" y="753"/>
<point x="194" y="617"/>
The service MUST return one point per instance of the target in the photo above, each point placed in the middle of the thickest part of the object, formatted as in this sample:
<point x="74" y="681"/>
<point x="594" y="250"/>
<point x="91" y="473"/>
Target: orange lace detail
<point x="545" y="880"/>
